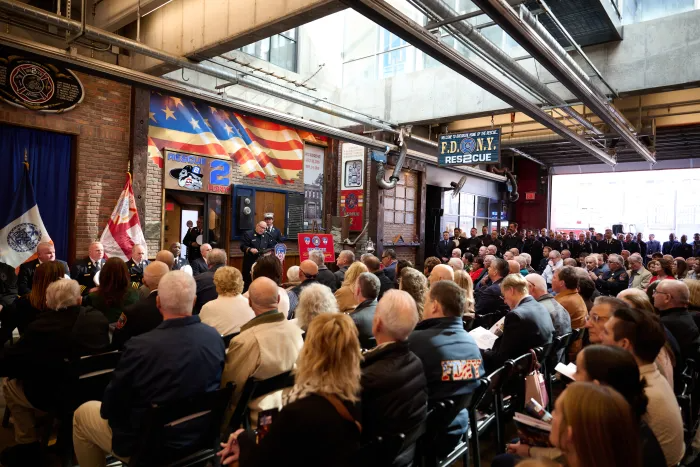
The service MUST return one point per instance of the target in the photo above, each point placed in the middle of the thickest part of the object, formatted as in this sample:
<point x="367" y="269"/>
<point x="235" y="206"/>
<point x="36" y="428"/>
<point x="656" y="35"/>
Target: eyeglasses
<point x="656" y="291"/>
<point x="596" y="318"/>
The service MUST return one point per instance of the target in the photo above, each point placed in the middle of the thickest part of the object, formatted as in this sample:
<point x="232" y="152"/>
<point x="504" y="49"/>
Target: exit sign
<point x="530" y="195"/>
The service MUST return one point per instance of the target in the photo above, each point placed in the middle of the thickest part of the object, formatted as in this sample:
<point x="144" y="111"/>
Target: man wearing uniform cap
<point x="273" y="232"/>
<point x="84" y="270"/>
<point x="136" y="265"/>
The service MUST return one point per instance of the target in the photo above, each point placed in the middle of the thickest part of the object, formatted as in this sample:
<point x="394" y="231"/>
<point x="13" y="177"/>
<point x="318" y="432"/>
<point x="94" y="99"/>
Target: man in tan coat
<point x="565" y="284"/>
<point x="638" y="275"/>
<point x="267" y="346"/>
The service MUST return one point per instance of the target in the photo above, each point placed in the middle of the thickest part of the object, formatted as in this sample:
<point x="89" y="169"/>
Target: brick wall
<point x="400" y="225"/>
<point x="101" y="128"/>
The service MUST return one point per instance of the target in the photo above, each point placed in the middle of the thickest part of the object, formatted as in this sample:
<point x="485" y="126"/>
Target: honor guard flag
<point x="22" y="228"/>
<point x="123" y="230"/>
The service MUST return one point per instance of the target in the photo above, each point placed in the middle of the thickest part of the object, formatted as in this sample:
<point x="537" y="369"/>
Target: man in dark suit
<point x="273" y="232"/>
<point x="180" y="262"/>
<point x="8" y="285"/>
<point x="444" y="247"/>
<point x="671" y="298"/>
<point x="670" y="244"/>
<point x="682" y="249"/>
<point x="366" y="292"/>
<point x="473" y="243"/>
<point x="84" y="270"/>
<point x="206" y="290"/>
<point x="489" y="303"/>
<point x="533" y="247"/>
<point x="609" y="244"/>
<point x="630" y="244"/>
<point x="373" y="265"/>
<point x="253" y="244"/>
<point x="199" y="265"/>
<point x="136" y="265"/>
<point x="190" y="240"/>
<point x="325" y="276"/>
<point x="528" y="325"/>
<point x="45" y="251"/>
<point x="143" y="315"/>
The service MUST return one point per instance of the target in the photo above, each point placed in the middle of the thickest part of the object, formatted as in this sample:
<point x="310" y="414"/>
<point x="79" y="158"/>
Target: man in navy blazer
<point x="45" y="251"/>
<point x="527" y="325"/>
<point x="489" y="306"/>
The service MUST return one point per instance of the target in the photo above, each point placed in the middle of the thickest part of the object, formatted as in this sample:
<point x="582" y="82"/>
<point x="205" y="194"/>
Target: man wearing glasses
<point x="602" y="311"/>
<point x="616" y="279"/>
<point x="671" y="299"/>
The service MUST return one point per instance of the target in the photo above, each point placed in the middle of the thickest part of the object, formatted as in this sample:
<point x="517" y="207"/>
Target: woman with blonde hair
<point x="314" y="300"/>
<point x="292" y="277"/>
<point x="587" y="422"/>
<point x="416" y="285"/>
<point x="230" y="310"/>
<point x="463" y="280"/>
<point x="345" y="295"/>
<point x="317" y="427"/>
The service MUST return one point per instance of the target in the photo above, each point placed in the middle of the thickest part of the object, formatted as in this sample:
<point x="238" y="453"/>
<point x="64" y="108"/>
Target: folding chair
<point x="199" y="415"/>
<point x="517" y="370"/>
<point x="440" y="415"/>
<point x="253" y="389"/>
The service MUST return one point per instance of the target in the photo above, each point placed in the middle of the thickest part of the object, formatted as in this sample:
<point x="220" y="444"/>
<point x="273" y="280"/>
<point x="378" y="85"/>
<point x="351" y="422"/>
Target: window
<point x="280" y="50"/>
<point x="466" y="211"/>
<point x="400" y="203"/>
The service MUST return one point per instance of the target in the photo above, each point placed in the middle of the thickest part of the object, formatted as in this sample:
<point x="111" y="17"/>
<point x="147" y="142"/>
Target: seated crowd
<point x="372" y="346"/>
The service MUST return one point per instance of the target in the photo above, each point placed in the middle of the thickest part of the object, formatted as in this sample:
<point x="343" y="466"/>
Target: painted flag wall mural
<point x="260" y="148"/>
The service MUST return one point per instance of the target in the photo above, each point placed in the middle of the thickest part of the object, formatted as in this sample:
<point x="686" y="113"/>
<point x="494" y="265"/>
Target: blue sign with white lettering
<point x="470" y="148"/>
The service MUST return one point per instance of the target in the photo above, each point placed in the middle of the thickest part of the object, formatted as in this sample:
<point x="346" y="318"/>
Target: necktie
<point x="97" y="266"/>
<point x="632" y="278"/>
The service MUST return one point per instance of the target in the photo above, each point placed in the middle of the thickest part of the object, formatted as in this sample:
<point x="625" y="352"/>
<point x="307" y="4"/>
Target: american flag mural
<point x="260" y="148"/>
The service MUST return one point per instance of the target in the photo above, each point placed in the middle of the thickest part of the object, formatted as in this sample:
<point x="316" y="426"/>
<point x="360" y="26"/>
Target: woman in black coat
<point x="319" y="424"/>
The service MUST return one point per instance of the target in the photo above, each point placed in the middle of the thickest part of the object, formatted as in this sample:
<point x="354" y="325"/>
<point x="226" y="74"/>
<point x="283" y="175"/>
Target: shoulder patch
<point x="122" y="321"/>
<point x="623" y="276"/>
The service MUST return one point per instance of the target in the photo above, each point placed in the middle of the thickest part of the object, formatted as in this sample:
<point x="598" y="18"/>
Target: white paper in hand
<point x="484" y="338"/>
<point x="497" y="328"/>
<point x="567" y="370"/>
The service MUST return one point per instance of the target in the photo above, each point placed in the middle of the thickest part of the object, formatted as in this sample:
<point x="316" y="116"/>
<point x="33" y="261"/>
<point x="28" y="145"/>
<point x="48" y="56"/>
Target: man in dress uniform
<point x="669" y="245"/>
<point x="84" y="270"/>
<point x="253" y="244"/>
<point x="136" y="265"/>
<point x="176" y="250"/>
<point x="273" y="232"/>
<point x="45" y="251"/>
<point x="609" y="244"/>
<point x="484" y="237"/>
<point x="615" y="280"/>
<point x="682" y="249"/>
<point x="474" y="242"/>
<point x="558" y="243"/>
<point x="533" y="247"/>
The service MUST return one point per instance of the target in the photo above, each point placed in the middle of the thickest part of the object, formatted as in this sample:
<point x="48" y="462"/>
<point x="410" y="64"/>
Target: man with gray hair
<point x="639" y="277"/>
<point x="344" y="261"/>
<point x="615" y="280"/>
<point x="324" y="276"/>
<point x="561" y="320"/>
<point x="199" y="264"/>
<point x="366" y="291"/>
<point x="178" y="359"/>
<point x="394" y="388"/>
<point x="555" y="263"/>
<point x="671" y="298"/>
<point x="35" y="367"/>
<point x="206" y="290"/>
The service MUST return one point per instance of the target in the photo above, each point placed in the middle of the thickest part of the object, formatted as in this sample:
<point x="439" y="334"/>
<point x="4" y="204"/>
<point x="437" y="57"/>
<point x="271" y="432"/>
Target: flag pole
<point x="128" y="170"/>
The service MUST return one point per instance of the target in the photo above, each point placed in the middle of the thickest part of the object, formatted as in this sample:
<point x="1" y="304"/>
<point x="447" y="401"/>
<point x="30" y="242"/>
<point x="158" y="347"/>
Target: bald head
<point x="441" y="272"/>
<point x="166" y="257"/>
<point x="153" y="273"/>
<point x="395" y="317"/>
<point x="513" y="267"/>
<point x="307" y="270"/>
<point x="679" y="294"/>
<point x="263" y="295"/>
<point x="536" y="285"/>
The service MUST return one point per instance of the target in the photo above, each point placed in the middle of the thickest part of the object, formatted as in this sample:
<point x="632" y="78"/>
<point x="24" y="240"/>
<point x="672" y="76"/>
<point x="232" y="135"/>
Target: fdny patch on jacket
<point x="460" y="370"/>
<point x="122" y="321"/>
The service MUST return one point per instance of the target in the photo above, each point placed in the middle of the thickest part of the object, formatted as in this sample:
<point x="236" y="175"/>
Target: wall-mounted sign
<point x="470" y="148"/>
<point x="199" y="174"/>
<point x="530" y="195"/>
<point x="313" y="185"/>
<point x="353" y="163"/>
<point x="37" y="86"/>
<point x="352" y="204"/>
<point x="315" y="241"/>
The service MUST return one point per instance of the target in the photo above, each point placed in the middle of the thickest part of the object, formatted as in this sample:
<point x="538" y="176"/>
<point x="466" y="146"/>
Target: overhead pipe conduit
<point x="441" y="11"/>
<point x="508" y="19"/>
<point x="391" y="19"/>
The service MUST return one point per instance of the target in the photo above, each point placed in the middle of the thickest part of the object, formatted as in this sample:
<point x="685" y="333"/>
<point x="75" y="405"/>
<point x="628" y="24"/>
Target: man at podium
<point x="253" y="244"/>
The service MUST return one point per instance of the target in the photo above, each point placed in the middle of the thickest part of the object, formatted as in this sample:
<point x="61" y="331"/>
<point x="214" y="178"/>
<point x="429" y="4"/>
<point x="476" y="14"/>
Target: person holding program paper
<point x="528" y="325"/>
<point x="451" y="358"/>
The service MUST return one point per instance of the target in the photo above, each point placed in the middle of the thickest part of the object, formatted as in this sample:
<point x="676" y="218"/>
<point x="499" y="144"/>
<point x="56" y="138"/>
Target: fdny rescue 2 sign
<point x="470" y="148"/>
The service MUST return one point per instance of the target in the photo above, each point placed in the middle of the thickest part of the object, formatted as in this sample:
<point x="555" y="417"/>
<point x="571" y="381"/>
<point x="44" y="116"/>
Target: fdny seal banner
<point x="351" y="204"/>
<point x="470" y="148"/>
<point x="200" y="174"/>
<point x="38" y="86"/>
<point x="314" y="241"/>
<point x="22" y="227"/>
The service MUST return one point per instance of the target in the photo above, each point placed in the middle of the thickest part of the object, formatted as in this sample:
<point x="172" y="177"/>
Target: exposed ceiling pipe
<point x="498" y="58"/>
<point x="176" y="88"/>
<point x="526" y="36"/>
<point x="527" y="156"/>
<point x="399" y="24"/>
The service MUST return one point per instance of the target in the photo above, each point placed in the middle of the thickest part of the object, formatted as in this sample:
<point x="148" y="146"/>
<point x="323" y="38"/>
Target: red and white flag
<point x="123" y="230"/>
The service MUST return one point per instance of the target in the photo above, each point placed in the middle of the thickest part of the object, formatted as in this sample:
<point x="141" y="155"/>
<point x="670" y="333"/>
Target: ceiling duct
<point x="438" y="9"/>
<point x="391" y="19"/>
<point x="522" y="32"/>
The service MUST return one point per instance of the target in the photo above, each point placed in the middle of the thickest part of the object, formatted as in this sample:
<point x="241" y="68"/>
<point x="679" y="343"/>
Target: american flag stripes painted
<point x="260" y="148"/>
